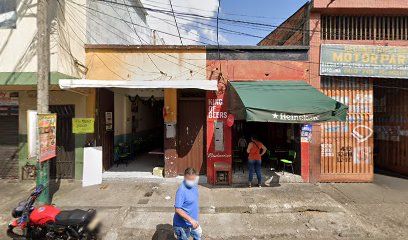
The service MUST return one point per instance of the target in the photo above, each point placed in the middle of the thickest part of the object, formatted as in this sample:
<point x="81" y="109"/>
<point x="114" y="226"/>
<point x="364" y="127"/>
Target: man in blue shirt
<point x="185" y="221"/>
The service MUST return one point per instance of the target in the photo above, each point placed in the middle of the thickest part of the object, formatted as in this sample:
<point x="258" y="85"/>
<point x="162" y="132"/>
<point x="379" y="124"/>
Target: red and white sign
<point x="230" y="120"/>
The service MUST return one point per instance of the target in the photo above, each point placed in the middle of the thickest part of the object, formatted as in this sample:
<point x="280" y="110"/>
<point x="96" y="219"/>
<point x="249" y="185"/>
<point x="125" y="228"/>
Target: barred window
<point x="364" y="27"/>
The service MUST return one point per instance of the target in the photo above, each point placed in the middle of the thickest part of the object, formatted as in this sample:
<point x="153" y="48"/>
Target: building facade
<point x="73" y="24"/>
<point x="357" y="56"/>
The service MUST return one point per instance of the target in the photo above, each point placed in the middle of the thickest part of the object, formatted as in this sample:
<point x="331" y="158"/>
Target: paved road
<point x="134" y="210"/>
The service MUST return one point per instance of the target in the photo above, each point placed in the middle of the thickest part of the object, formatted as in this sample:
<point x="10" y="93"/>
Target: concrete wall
<point x="19" y="46"/>
<point x="123" y="118"/>
<point x="27" y="101"/>
<point x="111" y="23"/>
<point x="145" y="63"/>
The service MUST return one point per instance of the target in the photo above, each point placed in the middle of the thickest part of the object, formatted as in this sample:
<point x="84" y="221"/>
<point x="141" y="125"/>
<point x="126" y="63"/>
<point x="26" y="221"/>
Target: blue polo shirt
<point x="186" y="199"/>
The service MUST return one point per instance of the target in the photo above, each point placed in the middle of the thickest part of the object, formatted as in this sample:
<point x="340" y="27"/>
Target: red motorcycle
<point x="48" y="222"/>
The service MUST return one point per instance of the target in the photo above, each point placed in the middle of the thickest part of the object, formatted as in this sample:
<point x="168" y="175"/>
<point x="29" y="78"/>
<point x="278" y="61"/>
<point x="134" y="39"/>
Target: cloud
<point x="192" y="29"/>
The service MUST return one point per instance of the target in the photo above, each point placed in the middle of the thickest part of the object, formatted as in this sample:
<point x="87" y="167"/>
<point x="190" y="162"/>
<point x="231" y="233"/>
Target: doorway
<point x="391" y="126"/>
<point x="191" y="131"/>
<point x="64" y="165"/>
<point x="137" y="145"/>
<point x="283" y="143"/>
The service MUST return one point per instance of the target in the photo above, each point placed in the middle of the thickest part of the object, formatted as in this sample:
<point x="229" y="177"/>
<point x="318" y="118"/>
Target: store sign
<point x="8" y="98"/>
<point x="283" y="117"/>
<point x="364" y="61"/>
<point x="216" y="109"/>
<point x="47" y="131"/>
<point x="83" y="125"/>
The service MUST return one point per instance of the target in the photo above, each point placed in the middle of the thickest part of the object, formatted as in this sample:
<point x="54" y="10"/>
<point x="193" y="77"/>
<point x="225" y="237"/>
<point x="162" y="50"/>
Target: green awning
<point x="282" y="101"/>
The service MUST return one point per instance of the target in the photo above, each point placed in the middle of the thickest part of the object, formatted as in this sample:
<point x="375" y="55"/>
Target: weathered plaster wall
<point x="19" y="46"/>
<point x="27" y="101"/>
<point x="145" y="64"/>
<point x="108" y="23"/>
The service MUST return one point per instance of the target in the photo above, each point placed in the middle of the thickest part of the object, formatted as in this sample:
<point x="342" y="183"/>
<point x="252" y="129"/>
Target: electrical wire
<point x="296" y="69"/>
<point x="175" y="20"/>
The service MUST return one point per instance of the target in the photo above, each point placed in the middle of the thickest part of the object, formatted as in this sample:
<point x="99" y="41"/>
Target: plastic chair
<point x="290" y="161"/>
<point x="270" y="158"/>
<point x="121" y="154"/>
<point x="237" y="161"/>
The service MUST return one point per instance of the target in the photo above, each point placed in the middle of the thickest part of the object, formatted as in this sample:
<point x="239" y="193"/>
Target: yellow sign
<point x="83" y="125"/>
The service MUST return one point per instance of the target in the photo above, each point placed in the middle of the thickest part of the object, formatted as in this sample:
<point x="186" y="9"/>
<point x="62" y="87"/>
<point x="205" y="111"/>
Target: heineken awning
<point x="282" y="101"/>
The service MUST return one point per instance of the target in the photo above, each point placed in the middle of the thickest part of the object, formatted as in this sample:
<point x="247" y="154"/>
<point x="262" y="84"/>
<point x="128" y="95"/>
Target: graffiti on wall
<point x="362" y="154"/>
<point x="327" y="150"/>
<point x="345" y="154"/>
<point x="362" y="133"/>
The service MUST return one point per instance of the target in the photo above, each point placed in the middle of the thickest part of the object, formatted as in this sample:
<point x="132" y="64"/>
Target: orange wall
<point x="368" y="4"/>
<point x="257" y="70"/>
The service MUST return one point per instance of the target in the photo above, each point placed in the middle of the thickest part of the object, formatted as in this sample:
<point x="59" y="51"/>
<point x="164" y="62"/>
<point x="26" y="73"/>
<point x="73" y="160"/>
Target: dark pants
<point x="255" y="164"/>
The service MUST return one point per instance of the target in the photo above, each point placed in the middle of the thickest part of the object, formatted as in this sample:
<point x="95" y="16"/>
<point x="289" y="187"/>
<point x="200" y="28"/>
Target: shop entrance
<point x="283" y="143"/>
<point x="138" y="134"/>
<point x="391" y="125"/>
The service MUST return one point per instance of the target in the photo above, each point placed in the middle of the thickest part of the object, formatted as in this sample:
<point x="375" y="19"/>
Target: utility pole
<point x="43" y="80"/>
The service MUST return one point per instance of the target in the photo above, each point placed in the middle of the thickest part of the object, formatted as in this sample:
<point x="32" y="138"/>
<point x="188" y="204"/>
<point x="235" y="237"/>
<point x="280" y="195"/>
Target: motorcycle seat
<point x="74" y="217"/>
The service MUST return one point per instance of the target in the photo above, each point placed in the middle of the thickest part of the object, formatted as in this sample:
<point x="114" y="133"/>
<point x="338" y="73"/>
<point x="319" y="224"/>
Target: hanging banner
<point x="83" y="125"/>
<point x="47" y="130"/>
<point x="364" y="61"/>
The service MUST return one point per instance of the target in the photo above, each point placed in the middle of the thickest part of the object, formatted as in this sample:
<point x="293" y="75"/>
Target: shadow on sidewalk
<point x="164" y="232"/>
<point x="54" y="186"/>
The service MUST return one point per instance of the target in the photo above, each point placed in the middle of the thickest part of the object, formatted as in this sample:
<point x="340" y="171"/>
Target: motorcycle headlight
<point x="17" y="212"/>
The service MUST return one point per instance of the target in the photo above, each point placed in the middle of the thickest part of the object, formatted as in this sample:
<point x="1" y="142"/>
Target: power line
<point x="178" y="30"/>
<point x="170" y="34"/>
<point x="148" y="55"/>
<point x="169" y="55"/>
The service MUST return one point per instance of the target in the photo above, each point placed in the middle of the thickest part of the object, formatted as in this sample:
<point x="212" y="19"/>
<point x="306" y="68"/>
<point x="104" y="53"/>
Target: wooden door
<point x="63" y="165"/>
<point x="105" y="125"/>
<point x="191" y="135"/>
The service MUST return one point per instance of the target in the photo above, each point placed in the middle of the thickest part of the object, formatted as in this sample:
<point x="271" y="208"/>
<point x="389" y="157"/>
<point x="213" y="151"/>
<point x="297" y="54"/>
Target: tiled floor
<point x="139" y="167"/>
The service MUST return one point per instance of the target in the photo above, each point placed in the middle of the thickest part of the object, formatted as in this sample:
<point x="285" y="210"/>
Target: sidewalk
<point x="144" y="210"/>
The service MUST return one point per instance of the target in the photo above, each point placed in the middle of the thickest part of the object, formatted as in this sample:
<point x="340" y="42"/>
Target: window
<point x="364" y="28"/>
<point x="8" y="13"/>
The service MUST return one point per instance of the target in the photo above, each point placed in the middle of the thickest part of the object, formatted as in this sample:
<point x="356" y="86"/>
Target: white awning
<point x="179" y="84"/>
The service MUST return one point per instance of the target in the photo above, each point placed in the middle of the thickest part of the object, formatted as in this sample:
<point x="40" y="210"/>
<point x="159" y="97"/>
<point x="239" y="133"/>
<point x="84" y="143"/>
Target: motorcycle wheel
<point x="28" y="234"/>
<point x="15" y="236"/>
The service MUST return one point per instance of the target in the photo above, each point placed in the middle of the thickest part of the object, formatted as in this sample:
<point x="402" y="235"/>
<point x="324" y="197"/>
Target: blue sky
<point x="196" y="30"/>
<point x="271" y="12"/>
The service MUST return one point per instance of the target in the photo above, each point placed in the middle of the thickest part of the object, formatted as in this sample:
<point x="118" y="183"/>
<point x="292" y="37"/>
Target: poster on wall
<point x="32" y="126"/>
<point x="83" y="125"/>
<point x="306" y="133"/>
<point x="47" y="130"/>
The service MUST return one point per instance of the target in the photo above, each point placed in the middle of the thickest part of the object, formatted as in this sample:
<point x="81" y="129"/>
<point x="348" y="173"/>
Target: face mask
<point x="190" y="183"/>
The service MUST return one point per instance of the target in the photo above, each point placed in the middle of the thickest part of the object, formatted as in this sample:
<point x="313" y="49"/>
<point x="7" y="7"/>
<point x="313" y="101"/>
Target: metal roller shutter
<point x="9" y="147"/>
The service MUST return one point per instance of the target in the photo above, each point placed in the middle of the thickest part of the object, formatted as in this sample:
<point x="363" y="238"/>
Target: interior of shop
<point x="138" y="133"/>
<point x="282" y="141"/>
<point x="391" y="126"/>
